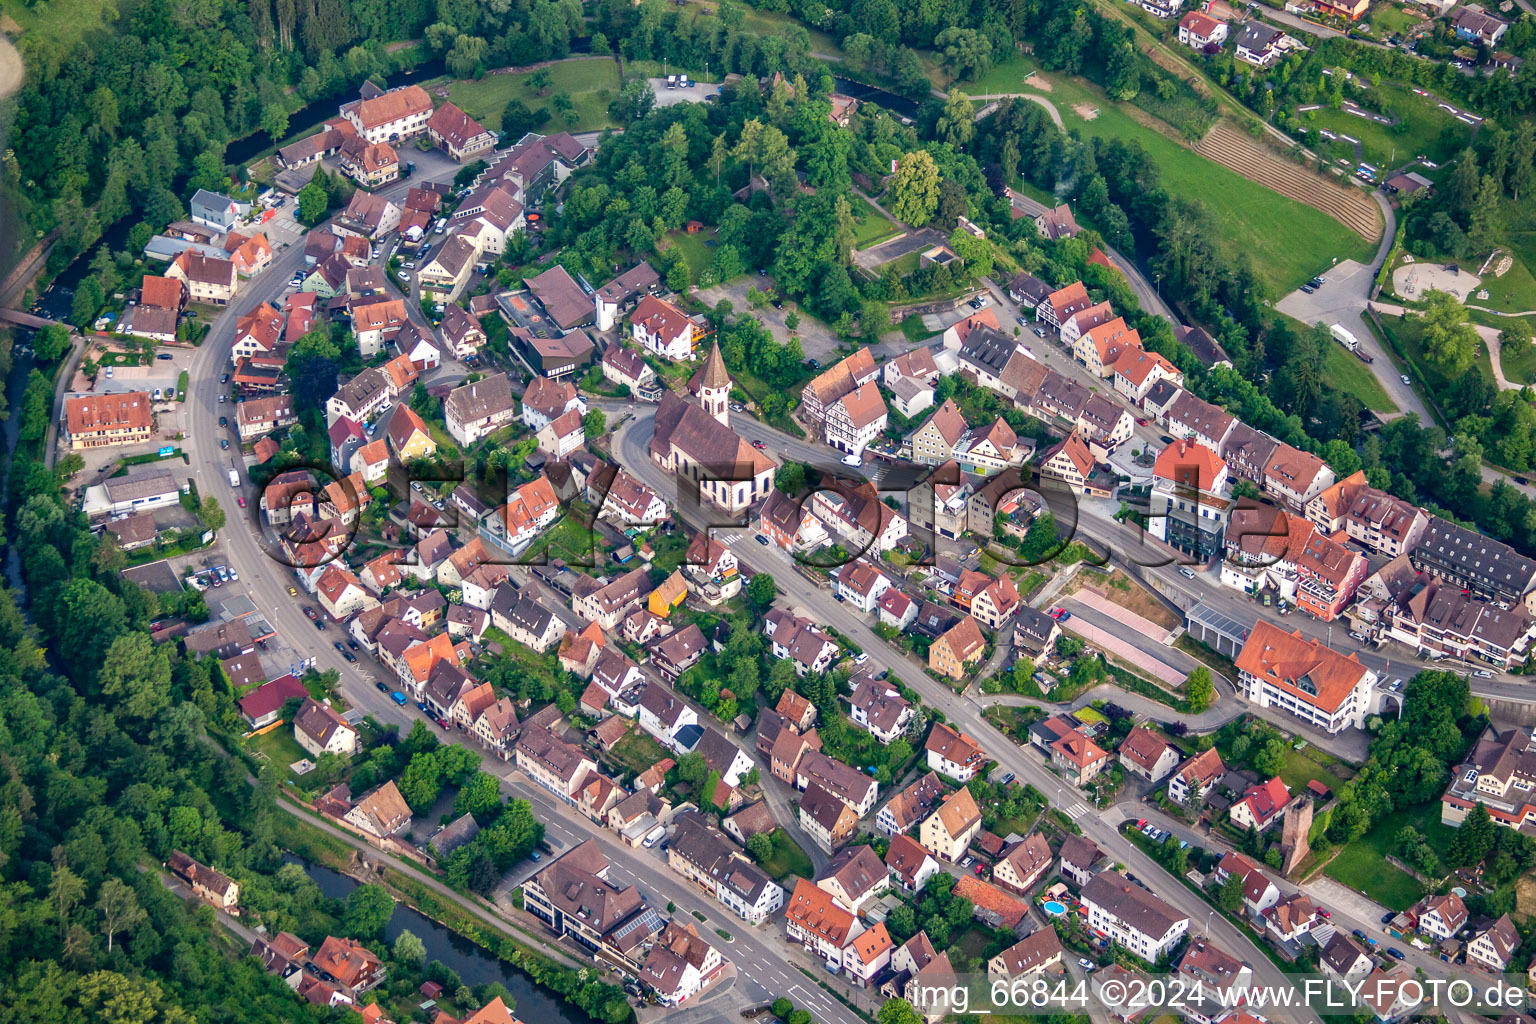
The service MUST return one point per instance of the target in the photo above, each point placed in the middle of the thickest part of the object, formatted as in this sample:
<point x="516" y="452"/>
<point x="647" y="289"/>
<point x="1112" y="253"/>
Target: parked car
<point x="397" y="697"/>
<point x="309" y="613"/>
<point x="382" y="687"/>
<point x="1395" y="953"/>
<point x="761" y="540"/>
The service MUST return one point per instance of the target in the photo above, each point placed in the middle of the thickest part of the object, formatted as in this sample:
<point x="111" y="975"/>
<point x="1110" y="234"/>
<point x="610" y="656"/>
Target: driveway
<point x="1343" y="299"/>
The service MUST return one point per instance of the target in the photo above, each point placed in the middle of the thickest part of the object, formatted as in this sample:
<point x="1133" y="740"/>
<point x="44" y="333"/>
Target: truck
<point x="234" y="477"/>
<point x="1342" y="335"/>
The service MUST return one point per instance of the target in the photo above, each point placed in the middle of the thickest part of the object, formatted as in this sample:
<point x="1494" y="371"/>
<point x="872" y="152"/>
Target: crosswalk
<point x="1075" y="811"/>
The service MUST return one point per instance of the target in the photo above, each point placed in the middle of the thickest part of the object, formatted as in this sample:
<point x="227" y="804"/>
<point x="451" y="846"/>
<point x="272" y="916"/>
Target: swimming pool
<point x="1053" y="908"/>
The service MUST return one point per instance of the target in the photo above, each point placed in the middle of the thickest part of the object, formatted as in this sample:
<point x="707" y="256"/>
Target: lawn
<point x="569" y="539"/>
<point x="637" y="751"/>
<point x="1430" y="131"/>
<point x="1385" y="19"/>
<point x="1362" y="864"/>
<point x="915" y="330"/>
<point x="788" y="860"/>
<point x="870" y="226"/>
<point x="1300" y="768"/>
<point x="1287" y="240"/>
<point x="1005" y="77"/>
<point x="1347" y="373"/>
<point x="904" y="264"/>
<point x="696" y="249"/>
<point x="1515" y="292"/>
<point x="591" y="84"/>
<point x="282" y="750"/>
<point x="1407" y="334"/>
<point x="60" y="21"/>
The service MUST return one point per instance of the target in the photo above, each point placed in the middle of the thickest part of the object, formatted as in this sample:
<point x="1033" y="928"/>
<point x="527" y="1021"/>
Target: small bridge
<point x="16" y="316"/>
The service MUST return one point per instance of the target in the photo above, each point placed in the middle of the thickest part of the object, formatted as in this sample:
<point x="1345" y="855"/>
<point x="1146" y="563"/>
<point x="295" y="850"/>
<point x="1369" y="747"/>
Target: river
<point x="874" y="94"/>
<point x="473" y="964"/>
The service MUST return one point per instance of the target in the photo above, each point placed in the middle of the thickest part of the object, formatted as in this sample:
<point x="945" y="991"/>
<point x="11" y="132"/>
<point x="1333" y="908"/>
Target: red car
<point x="309" y="613"/>
<point x="760" y="446"/>
<point x="443" y="722"/>
<point x="1141" y="422"/>
<point x="241" y="500"/>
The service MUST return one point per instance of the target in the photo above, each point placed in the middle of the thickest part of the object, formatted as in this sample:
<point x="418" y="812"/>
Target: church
<point x="694" y="439"/>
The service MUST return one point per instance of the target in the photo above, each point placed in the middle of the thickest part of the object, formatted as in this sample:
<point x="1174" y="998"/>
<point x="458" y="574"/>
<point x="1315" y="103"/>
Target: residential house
<point x="680" y="964"/>
<point x="381" y="814"/>
<point x="1493" y="944"/>
<point x="1132" y="917"/>
<point x="963" y="645"/>
<point x="1442" y="916"/>
<point x="557" y="765"/>
<point x="1345" y="960"/>
<point x="320" y="730"/>
<point x="212" y="886"/>
<point x="1079" y="860"/>
<point x="1198" y="775"/>
<point x="473" y="411"/>
<point x="907" y="807"/>
<point x="1145" y="753"/>
<point x="1031" y="955"/>
<point x="845" y="782"/>
<point x="953" y="753"/>
<point x="1259" y="892"/>
<point x="1257" y="43"/>
<point x="1261" y="806"/>
<point x="949" y="830"/>
<point x="909" y="863"/>
<point x="879" y="708"/>
<point x="458" y="134"/>
<point x="258" y="417"/>
<point x="1200" y="31"/>
<point x="702" y="855"/>
<point x="664" y="714"/>
<point x="210" y="280"/>
<point x="1024" y="864"/>
<point x="622" y="293"/>
<point x="826" y="819"/>
<point x="1078" y="758"/>
<point x="666" y="330"/>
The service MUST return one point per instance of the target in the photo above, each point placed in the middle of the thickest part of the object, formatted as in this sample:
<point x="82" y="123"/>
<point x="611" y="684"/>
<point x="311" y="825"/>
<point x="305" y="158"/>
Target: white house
<point x="1131" y="916"/>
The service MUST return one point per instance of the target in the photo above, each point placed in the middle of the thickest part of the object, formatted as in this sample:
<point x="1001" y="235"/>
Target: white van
<point x="653" y="836"/>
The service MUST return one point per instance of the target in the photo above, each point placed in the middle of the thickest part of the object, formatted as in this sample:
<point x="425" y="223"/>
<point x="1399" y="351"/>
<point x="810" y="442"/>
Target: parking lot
<point x="694" y="92"/>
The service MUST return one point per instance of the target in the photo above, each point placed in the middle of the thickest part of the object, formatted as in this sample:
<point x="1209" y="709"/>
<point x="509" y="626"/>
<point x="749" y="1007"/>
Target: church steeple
<point x="711" y="385"/>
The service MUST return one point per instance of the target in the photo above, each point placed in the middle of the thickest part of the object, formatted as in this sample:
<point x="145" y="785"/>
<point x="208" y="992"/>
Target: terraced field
<point x="1256" y="162"/>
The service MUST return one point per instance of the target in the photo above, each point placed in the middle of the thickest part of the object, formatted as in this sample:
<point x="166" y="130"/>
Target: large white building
<point x="1131" y="916"/>
<point x="1305" y="678"/>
